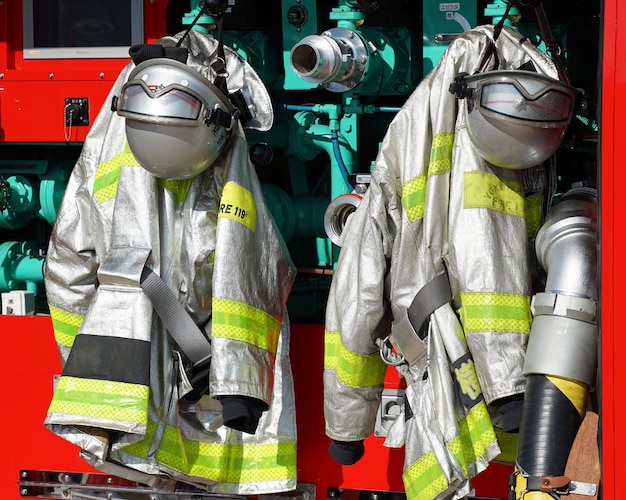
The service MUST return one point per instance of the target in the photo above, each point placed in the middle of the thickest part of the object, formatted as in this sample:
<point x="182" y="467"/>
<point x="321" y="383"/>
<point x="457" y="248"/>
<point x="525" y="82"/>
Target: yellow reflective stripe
<point x="101" y="400"/>
<point x="533" y="210"/>
<point x="486" y="190"/>
<point x="238" y="321"/>
<point x="413" y="196"/>
<point x="332" y="342"/>
<point x="495" y="312"/>
<point x="238" y="204"/>
<point x="424" y="479"/>
<point x="352" y="369"/>
<point x="476" y="435"/>
<point x="221" y="462"/>
<point x="178" y="188"/>
<point x="65" y="325"/>
<point x="108" y="174"/>
<point x="414" y="190"/>
<point x="441" y="154"/>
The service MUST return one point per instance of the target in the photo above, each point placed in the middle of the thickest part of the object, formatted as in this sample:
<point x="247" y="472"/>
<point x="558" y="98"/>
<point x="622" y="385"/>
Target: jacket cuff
<point x="511" y="410"/>
<point x="242" y="413"/>
<point x="346" y="452"/>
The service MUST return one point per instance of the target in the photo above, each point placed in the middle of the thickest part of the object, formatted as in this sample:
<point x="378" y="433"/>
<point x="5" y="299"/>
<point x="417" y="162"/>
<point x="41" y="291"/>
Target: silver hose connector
<point x="563" y="338"/>
<point x="337" y="59"/>
<point x="337" y="214"/>
<point x="567" y="244"/>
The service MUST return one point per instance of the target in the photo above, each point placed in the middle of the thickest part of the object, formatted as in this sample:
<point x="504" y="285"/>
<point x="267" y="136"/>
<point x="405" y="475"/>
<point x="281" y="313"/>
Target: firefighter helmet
<point x="177" y="121"/>
<point x="516" y="119"/>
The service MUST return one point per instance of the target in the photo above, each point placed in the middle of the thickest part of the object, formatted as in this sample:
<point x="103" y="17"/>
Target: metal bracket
<point x="74" y="485"/>
<point x="76" y="111"/>
<point x="391" y="402"/>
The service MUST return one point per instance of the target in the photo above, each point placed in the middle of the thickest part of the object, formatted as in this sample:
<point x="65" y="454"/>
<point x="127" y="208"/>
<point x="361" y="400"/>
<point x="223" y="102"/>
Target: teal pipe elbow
<point x="22" y="204"/>
<point x="308" y="137"/>
<point x="20" y="266"/>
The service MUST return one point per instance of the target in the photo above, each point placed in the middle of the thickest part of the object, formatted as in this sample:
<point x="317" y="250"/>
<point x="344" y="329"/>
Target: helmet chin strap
<point x="552" y="45"/>
<point x="193" y="23"/>
<point x="219" y="63"/>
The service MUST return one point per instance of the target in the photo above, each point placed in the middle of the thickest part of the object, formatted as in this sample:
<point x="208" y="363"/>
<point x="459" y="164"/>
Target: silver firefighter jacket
<point x="120" y="397"/>
<point x="435" y="205"/>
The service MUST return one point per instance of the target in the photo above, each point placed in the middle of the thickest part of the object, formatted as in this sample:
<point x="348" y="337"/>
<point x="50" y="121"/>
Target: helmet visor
<point x="509" y="97"/>
<point x="174" y="104"/>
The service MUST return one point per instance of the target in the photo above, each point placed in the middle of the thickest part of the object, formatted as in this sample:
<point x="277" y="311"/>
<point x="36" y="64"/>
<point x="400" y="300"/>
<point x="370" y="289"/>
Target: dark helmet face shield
<point x="174" y="104"/>
<point x="545" y="105"/>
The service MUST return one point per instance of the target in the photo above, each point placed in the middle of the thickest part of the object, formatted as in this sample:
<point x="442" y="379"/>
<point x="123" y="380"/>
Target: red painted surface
<point x="31" y="362"/>
<point x="613" y="263"/>
<point x="28" y="389"/>
<point x="33" y="92"/>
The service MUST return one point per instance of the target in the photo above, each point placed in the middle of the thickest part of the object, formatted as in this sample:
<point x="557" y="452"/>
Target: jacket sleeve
<point x="70" y="277"/>
<point x="356" y="312"/>
<point x="72" y="257"/>
<point x="252" y="278"/>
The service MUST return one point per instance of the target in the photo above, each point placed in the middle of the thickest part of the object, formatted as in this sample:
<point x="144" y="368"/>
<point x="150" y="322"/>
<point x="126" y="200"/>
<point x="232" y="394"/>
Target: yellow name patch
<point x="239" y="205"/>
<point x="485" y="190"/>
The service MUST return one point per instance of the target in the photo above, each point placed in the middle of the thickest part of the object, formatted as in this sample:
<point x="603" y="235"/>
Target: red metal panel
<point x="613" y="263"/>
<point x="33" y="92"/>
<point x="31" y="361"/>
<point x="34" y="110"/>
<point x="27" y="388"/>
<point x="380" y="469"/>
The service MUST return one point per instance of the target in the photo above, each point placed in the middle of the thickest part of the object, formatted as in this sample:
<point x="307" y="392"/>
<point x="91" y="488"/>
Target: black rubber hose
<point x="550" y="421"/>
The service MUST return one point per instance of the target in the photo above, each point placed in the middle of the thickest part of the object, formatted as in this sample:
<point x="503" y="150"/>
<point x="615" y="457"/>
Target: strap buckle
<point x="387" y="353"/>
<point x="561" y="485"/>
<point x="221" y="118"/>
<point x="411" y="329"/>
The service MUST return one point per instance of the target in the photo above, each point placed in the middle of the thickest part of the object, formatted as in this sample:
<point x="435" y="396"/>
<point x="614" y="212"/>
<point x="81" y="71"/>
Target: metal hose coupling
<point x="564" y="335"/>
<point x="337" y="214"/>
<point x="337" y="59"/>
<point x="561" y="353"/>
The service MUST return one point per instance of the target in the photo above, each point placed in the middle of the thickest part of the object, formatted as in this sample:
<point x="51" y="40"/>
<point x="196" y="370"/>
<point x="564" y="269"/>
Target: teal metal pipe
<point x="23" y="202"/>
<point x="347" y="16"/>
<point x="205" y="23"/>
<point x="20" y="266"/>
<point x="307" y="135"/>
<point x="297" y="216"/>
<point x="497" y="9"/>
